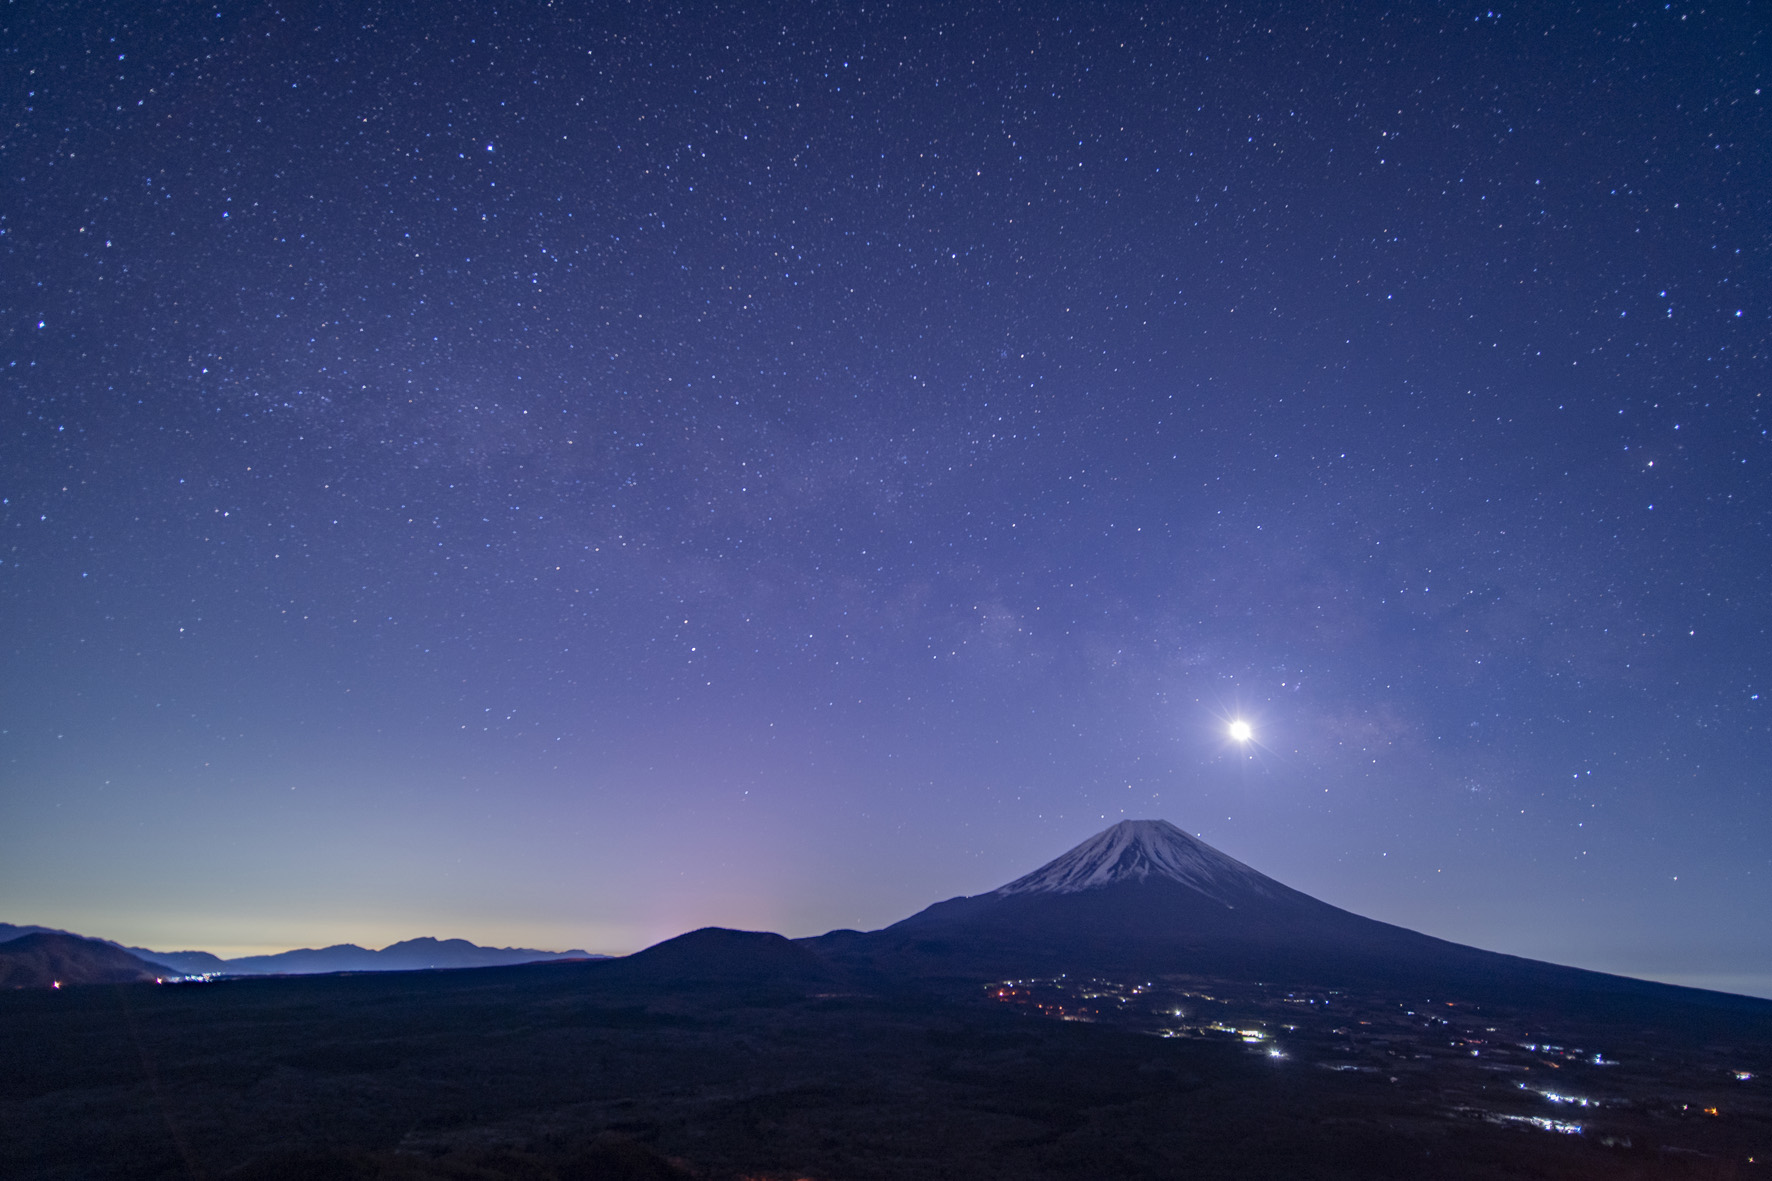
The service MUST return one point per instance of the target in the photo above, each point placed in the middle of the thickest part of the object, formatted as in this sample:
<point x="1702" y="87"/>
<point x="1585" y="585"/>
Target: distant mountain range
<point x="406" y="956"/>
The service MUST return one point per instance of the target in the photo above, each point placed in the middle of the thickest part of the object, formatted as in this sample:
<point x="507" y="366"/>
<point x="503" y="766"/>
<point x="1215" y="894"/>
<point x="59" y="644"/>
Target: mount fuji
<point x="1145" y="897"/>
<point x="1138" y="850"/>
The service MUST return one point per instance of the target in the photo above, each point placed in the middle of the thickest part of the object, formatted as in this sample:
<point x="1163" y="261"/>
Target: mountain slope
<point x="1138" y="882"/>
<point x="1144" y="897"/>
<point x="48" y="959"/>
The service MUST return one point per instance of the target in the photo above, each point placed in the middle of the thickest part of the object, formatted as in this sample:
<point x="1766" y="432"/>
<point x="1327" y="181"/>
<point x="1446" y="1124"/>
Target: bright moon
<point x="1240" y="731"/>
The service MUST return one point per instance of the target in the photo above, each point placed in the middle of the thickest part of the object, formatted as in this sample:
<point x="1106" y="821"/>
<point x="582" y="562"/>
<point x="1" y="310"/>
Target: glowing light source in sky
<point x="1241" y="731"/>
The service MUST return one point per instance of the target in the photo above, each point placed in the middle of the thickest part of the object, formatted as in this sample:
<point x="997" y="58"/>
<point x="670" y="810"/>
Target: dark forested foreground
<point x="612" y="1070"/>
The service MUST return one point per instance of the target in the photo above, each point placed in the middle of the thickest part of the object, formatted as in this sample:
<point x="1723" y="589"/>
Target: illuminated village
<point x="1471" y="1062"/>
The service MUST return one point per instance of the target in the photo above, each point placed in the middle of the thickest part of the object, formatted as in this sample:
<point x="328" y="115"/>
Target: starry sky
<point x="563" y="474"/>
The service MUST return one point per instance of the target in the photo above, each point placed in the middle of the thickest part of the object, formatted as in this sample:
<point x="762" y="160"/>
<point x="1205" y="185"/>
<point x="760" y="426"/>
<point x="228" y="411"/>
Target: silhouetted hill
<point x="720" y="956"/>
<point x="45" y="959"/>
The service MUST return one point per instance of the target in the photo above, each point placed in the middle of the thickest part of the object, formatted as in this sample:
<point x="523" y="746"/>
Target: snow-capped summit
<point x="1139" y="881"/>
<point x="1139" y="849"/>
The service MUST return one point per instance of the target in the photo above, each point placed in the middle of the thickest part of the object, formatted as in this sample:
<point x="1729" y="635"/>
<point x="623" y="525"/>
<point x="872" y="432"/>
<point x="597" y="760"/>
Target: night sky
<point x="562" y="475"/>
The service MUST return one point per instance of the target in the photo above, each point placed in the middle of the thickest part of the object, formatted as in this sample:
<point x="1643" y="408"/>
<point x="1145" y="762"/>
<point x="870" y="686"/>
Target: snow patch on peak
<point x="1134" y="850"/>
